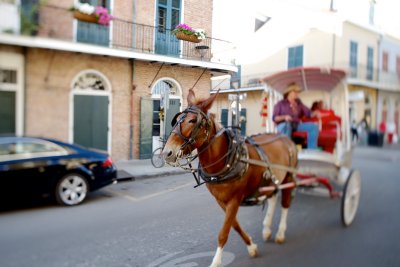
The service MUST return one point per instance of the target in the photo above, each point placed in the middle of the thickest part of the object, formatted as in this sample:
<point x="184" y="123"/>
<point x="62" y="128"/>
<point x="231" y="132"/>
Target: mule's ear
<point x="191" y="98"/>
<point x="206" y="104"/>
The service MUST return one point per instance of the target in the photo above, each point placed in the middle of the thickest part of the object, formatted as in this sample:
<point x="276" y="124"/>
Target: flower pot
<point x="92" y="18"/>
<point x="189" y="38"/>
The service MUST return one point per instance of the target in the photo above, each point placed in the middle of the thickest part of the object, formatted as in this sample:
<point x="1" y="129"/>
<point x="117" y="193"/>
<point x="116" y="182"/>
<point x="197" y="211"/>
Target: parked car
<point x="47" y="167"/>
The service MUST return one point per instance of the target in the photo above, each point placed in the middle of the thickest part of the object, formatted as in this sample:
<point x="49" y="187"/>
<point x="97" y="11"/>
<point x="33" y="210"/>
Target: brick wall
<point x="48" y="94"/>
<point x="49" y="77"/>
<point x="56" y="21"/>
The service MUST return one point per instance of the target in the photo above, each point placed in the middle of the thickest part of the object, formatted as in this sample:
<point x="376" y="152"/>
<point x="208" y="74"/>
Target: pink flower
<point x="104" y="17"/>
<point x="184" y="27"/>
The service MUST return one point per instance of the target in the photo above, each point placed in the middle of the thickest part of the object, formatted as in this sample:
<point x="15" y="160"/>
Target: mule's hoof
<point x="215" y="264"/>
<point x="267" y="235"/>
<point x="252" y="249"/>
<point x="280" y="240"/>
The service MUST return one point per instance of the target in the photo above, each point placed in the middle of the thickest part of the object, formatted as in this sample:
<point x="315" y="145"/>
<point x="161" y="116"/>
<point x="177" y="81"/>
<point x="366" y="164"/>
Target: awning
<point x="308" y="78"/>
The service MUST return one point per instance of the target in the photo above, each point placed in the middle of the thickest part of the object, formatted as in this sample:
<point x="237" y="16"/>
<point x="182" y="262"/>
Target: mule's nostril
<point x="169" y="154"/>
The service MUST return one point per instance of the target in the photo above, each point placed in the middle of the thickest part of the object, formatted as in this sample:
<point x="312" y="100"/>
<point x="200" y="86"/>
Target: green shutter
<point x="243" y="123"/>
<point x="174" y="107"/>
<point x="224" y="117"/>
<point x="146" y="127"/>
<point x="7" y="112"/>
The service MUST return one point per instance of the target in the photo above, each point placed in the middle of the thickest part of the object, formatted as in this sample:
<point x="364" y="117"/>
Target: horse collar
<point x="234" y="168"/>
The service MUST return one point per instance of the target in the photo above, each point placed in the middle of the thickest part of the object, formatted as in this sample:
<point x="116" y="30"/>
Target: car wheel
<point x="71" y="189"/>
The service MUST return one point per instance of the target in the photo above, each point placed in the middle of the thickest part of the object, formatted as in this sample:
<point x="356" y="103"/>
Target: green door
<point x="93" y="33"/>
<point x="146" y="128"/>
<point x="168" y="14"/>
<point x="174" y="107"/>
<point x="7" y="112"/>
<point x="91" y="121"/>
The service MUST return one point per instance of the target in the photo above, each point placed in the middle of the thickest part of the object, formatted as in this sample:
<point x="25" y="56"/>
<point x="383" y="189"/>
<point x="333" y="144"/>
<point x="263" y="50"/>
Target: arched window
<point x="90" y="81"/>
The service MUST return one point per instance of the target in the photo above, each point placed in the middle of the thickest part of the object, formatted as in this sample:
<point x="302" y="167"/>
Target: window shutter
<point x="224" y="117"/>
<point x="243" y="122"/>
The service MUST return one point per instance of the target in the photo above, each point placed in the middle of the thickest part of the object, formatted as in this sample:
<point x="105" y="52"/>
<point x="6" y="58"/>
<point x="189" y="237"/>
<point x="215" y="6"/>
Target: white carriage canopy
<point x="308" y="78"/>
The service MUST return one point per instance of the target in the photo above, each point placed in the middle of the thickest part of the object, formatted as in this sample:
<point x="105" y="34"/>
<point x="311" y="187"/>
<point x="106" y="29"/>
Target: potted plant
<point x="92" y="14"/>
<point x="187" y="33"/>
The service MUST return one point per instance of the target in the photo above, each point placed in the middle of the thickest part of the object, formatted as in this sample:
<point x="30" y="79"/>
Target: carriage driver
<point x="288" y="113"/>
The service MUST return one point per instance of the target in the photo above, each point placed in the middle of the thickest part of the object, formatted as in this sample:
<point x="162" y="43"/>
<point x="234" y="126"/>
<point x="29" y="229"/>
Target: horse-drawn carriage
<point x="331" y="165"/>
<point x="253" y="169"/>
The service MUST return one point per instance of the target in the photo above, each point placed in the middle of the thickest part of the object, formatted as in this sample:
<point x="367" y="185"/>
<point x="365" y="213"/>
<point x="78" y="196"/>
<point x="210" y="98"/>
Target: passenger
<point x="323" y="112"/>
<point x="288" y="113"/>
<point x="317" y="105"/>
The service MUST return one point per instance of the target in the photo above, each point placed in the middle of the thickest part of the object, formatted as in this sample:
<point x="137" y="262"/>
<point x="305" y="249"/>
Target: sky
<point x="234" y="19"/>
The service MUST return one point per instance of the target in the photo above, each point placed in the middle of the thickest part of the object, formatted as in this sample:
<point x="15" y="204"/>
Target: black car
<point x="47" y="167"/>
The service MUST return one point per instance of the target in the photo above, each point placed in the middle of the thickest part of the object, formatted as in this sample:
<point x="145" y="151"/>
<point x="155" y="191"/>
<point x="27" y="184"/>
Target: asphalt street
<point x="163" y="221"/>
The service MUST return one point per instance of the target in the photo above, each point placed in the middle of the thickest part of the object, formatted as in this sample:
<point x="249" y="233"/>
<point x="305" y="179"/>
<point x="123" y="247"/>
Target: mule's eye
<point x="193" y="121"/>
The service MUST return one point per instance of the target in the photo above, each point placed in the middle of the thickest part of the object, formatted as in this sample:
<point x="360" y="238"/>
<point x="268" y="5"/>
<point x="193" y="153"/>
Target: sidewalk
<point x="129" y="170"/>
<point x="142" y="168"/>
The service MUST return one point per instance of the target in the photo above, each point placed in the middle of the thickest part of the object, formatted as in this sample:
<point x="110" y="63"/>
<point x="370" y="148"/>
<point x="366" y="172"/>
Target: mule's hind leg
<point x="268" y="218"/>
<point x="286" y="201"/>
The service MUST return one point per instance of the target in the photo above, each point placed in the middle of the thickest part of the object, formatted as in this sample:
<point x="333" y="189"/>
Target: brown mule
<point x="226" y="164"/>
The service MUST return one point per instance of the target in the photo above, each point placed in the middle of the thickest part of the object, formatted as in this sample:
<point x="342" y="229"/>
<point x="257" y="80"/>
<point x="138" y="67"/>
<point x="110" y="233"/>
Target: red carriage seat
<point x="329" y="124"/>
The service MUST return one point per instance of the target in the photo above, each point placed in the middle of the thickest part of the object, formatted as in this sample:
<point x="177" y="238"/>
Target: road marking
<point x="189" y="260"/>
<point x="137" y="199"/>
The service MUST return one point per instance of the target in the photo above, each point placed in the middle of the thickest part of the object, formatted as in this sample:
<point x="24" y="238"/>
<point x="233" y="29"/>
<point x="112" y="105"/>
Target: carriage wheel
<point x="351" y="197"/>
<point x="157" y="159"/>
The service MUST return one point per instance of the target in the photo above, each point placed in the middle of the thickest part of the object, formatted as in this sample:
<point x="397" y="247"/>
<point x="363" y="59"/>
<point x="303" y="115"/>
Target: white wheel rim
<point x="72" y="190"/>
<point x="352" y="197"/>
<point x="158" y="159"/>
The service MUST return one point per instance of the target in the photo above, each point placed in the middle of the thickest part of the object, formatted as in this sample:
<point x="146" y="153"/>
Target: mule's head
<point x="191" y="129"/>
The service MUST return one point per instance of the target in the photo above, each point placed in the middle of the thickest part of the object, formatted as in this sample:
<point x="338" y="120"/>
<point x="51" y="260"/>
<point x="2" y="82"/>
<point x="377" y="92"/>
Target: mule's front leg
<point x="251" y="247"/>
<point x="230" y="214"/>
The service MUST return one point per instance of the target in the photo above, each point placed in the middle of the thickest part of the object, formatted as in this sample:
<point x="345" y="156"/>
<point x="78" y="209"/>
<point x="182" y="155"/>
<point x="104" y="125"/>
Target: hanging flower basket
<point x="92" y="18"/>
<point x="91" y="14"/>
<point x="185" y="37"/>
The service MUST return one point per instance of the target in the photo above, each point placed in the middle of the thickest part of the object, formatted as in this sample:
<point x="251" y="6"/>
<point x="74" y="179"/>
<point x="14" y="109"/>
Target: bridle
<point x="202" y="122"/>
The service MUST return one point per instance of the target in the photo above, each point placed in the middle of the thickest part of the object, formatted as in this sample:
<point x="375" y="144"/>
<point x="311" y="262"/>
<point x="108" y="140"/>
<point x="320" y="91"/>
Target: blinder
<point x="175" y="118"/>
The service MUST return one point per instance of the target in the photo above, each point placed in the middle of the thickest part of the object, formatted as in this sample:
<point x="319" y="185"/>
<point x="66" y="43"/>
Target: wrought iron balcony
<point x="58" y="23"/>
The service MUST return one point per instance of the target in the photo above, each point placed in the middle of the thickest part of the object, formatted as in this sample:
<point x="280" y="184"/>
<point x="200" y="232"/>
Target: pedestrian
<point x="354" y="132"/>
<point x="363" y="130"/>
<point x="391" y="130"/>
<point x="288" y="113"/>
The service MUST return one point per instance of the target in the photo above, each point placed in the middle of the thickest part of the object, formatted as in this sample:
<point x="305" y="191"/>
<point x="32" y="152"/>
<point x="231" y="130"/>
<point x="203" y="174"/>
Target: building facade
<point x="368" y="55"/>
<point x="114" y="87"/>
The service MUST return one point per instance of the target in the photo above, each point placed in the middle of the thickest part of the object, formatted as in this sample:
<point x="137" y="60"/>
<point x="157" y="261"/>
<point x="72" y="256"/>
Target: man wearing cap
<point x="288" y="113"/>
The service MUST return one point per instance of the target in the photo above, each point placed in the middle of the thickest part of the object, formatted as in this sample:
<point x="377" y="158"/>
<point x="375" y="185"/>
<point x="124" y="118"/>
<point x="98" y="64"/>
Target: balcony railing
<point x="58" y="23"/>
